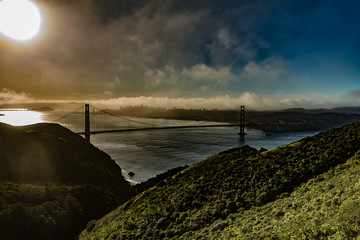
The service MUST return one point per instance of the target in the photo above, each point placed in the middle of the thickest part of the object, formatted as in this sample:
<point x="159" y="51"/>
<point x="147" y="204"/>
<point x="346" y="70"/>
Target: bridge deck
<point x="160" y="128"/>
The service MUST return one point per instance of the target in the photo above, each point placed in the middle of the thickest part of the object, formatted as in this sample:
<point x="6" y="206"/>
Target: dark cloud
<point x="115" y="48"/>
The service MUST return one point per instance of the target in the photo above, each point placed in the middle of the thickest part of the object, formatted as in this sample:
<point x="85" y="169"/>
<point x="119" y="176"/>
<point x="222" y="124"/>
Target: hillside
<point x="220" y="195"/>
<point x="325" y="207"/>
<point x="52" y="182"/>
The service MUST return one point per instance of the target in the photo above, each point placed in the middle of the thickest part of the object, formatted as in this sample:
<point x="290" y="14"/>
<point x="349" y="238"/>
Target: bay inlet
<point x="149" y="153"/>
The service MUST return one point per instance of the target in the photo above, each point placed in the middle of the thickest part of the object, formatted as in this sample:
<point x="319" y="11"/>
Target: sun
<point x="19" y="19"/>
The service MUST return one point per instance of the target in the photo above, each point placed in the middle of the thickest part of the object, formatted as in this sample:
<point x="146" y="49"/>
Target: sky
<point x="206" y="53"/>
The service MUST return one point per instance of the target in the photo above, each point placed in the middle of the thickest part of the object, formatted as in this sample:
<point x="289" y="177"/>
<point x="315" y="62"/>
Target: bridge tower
<point x="242" y="123"/>
<point x="87" y="122"/>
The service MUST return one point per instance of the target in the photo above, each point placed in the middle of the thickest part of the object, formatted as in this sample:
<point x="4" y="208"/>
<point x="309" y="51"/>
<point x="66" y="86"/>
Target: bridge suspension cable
<point x="73" y="120"/>
<point x="104" y="112"/>
<point x="99" y="120"/>
<point x="89" y="119"/>
<point x="69" y="114"/>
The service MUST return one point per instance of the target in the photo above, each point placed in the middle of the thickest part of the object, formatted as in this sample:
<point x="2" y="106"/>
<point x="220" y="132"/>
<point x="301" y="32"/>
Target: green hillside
<point x="325" y="207"/>
<point x="241" y="192"/>
<point x="52" y="182"/>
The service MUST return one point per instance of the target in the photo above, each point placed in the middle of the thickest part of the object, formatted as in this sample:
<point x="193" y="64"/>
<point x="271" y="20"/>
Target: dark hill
<point x="218" y="191"/>
<point x="53" y="182"/>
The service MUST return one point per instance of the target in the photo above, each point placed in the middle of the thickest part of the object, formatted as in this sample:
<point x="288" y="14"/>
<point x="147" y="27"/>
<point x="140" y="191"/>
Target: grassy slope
<point x="52" y="182"/>
<point x="325" y="207"/>
<point x="225" y="186"/>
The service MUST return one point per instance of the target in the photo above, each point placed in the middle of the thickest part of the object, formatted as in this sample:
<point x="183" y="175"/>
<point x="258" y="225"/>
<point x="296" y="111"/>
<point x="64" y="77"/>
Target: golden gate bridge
<point x="88" y="119"/>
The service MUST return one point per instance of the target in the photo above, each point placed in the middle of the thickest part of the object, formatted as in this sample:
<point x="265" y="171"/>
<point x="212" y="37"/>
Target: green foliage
<point x="138" y="188"/>
<point x="205" y="199"/>
<point x="349" y="212"/>
<point x="325" y="207"/>
<point x="52" y="182"/>
<point x="51" y="211"/>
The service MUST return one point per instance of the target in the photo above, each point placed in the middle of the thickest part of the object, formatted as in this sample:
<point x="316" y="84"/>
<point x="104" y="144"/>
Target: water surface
<point x="149" y="153"/>
<point x="20" y="117"/>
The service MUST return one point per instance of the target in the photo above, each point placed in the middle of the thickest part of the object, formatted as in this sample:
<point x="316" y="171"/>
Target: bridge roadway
<point x="159" y="128"/>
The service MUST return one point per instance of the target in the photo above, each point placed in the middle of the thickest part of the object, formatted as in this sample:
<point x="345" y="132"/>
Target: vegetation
<point x="151" y="182"/>
<point x="218" y="196"/>
<point x="326" y="207"/>
<point x="51" y="211"/>
<point x="52" y="182"/>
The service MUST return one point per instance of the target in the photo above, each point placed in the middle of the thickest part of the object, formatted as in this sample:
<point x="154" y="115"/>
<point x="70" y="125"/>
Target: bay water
<point x="148" y="153"/>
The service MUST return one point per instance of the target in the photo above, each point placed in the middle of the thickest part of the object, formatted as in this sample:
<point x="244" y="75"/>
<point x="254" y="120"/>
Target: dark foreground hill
<point x="52" y="182"/>
<point x="305" y="190"/>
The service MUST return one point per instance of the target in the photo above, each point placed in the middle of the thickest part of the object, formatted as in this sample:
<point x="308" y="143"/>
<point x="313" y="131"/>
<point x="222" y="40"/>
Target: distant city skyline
<point x="211" y="54"/>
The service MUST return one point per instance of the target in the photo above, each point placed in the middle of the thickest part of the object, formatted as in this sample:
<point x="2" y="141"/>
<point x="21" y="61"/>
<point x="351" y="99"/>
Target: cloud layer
<point x="252" y="101"/>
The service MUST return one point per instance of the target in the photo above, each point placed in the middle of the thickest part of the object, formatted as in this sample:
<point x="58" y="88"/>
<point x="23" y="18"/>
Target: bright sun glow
<point x="20" y="117"/>
<point x="19" y="19"/>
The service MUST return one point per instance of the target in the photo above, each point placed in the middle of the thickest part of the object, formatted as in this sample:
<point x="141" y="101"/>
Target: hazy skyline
<point x="264" y="54"/>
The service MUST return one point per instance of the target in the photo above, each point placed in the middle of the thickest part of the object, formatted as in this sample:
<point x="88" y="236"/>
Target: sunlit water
<point x="148" y="153"/>
<point x="20" y="117"/>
